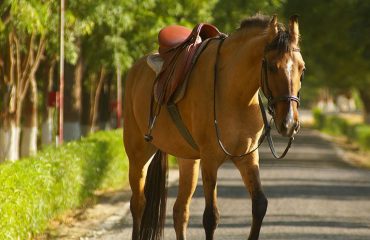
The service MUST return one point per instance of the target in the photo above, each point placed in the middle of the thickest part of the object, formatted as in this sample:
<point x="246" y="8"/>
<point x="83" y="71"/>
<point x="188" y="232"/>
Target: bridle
<point x="271" y="100"/>
<point x="271" y="107"/>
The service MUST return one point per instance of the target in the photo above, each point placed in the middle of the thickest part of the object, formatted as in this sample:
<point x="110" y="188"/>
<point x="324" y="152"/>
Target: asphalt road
<point x="313" y="194"/>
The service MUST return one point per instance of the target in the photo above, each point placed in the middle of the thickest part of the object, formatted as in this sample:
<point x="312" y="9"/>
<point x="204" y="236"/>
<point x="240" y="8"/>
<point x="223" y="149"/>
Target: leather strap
<point x="267" y="126"/>
<point x="267" y="132"/>
<point x="176" y="118"/>
<point x="227" y="153"/>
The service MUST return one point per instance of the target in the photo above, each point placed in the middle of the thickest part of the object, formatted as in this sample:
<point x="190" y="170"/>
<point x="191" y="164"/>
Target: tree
<point x="23" y="44"/>
<point x="229" y="14"/>
<point x="336" y="45"/>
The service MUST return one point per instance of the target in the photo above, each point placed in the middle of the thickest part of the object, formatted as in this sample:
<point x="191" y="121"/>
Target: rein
<point x="267" y="125"/>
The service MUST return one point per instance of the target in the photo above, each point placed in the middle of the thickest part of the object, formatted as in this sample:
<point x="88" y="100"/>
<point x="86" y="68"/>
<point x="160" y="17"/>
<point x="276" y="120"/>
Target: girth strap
<point x="176" y="118"/>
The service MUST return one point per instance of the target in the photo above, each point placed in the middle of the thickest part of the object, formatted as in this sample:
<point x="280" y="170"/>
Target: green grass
<point x="37" y="189"/>
<point x="334" y="125"/>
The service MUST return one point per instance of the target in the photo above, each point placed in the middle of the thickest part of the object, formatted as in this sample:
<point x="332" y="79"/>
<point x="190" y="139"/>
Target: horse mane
<point x="282" y="42"/>
<point x="258" y="20"/>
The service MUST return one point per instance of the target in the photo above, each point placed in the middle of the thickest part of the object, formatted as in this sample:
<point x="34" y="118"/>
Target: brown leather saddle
<point x="178" y="47"/>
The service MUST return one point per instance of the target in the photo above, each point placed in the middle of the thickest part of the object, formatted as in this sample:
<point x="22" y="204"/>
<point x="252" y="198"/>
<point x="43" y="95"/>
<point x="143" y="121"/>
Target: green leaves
<point x="334" y="40"/>
<point x="30" y="16"/>
<point x="229" y="14"/>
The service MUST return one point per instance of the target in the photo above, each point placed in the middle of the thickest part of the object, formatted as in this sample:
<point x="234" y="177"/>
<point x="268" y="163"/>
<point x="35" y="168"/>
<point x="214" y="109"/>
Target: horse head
<point x="281" y="75"/>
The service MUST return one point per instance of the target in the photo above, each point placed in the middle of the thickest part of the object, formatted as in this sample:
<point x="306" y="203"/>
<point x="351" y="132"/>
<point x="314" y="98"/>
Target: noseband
<point x="271" y="100"/>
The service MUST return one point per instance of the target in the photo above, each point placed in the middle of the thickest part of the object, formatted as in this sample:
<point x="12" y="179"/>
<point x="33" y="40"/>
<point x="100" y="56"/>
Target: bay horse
<point x="262" y="53"/>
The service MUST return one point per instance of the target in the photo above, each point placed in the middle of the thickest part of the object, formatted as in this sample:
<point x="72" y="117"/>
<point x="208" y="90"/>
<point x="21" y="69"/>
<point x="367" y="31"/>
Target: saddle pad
<point x="155" y="62"/>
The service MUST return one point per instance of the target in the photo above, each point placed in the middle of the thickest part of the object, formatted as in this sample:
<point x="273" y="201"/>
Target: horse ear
<point x="294" y="29"/>
<point x="273" y="27"/>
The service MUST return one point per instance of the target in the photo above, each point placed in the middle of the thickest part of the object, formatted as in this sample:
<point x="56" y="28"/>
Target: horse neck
<point x="240" y="66"/>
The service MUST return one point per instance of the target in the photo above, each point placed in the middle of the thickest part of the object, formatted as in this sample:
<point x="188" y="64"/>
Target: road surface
<point x="313" y="194"/>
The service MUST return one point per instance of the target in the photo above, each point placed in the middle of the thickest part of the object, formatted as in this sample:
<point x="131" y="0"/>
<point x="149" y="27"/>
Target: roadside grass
<point x="355" y="133"/>
<point x="36" y="189"/>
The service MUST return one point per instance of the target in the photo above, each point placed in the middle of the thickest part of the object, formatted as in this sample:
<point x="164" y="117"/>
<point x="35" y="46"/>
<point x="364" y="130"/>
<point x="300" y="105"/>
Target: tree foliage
<point x="335" y="40"/>
<point x="112" y="34"/>
<point x="229" y="14"/>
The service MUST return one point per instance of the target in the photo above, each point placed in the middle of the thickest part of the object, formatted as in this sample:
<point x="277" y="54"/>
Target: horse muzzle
<point x="290" y="125"/>
<point x="289" y="128"/>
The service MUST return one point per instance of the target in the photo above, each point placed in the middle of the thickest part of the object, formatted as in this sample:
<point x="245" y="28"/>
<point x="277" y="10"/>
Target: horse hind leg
<point x="189" y="170"/>
<point x="137" y="174"/>
<point x="249" y="171"/>
<point x="139" y="153"/>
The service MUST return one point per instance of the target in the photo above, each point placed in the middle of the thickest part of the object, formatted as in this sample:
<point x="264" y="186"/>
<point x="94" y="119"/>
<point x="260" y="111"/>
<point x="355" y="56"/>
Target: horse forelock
<point x="283" y="40"/>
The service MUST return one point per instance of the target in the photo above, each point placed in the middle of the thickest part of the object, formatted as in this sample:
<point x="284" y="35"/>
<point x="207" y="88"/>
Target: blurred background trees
<point x="104" y="37"/>
<point x="336" y="46"/>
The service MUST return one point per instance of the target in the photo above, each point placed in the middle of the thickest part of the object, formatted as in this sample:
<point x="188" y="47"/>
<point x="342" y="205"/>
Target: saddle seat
<point x="172" y="36"/>
<point x="179" y="47"/>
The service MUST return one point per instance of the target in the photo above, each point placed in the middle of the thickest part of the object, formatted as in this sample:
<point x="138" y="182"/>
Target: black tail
<point x="153" y="219"/>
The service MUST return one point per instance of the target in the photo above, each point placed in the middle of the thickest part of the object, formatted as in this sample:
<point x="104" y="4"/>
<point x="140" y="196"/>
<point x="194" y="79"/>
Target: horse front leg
<point x="189" y="171"/>
<point x="249" y="170"/>
<point x="211" y="214"/>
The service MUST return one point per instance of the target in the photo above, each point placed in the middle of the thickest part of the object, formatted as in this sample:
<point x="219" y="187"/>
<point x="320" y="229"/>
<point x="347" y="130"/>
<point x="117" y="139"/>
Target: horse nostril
<point x="284" y="126"/>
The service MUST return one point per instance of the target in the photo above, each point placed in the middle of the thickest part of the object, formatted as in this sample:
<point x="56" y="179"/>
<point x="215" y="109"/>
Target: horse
<point x="260" y="54"/>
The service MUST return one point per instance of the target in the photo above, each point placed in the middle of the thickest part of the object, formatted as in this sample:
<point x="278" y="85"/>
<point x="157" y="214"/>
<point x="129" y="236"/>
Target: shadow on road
<point x="312" y="193"/>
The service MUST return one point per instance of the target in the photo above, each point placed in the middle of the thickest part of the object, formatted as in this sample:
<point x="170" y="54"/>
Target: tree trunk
<point x="29" y="127"/>
<point x="72" y="103"/>
<point x="98" y="91"/>
<point x="119" y="95"/>
<point x="365" y="97"/>
<point x="9" y="130"/>
<point x="9" y="142"/>
<point x="48" y="118"/>
<point x="104" y="105"/>
<point x="85" y="111"/>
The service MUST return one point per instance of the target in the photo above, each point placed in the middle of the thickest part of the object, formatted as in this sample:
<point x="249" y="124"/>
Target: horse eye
<point x="272" y="68"/>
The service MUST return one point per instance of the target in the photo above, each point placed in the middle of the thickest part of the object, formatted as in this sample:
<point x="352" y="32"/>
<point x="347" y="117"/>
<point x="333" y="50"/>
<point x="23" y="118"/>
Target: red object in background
<point x="116" y="107"/>
<point x="113" y="106"/>
<point x="53" y="99"/>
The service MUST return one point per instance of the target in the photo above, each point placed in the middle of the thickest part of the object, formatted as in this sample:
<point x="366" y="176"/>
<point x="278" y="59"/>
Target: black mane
<point x="282" y="42"/>
<point x="258" y="20"/>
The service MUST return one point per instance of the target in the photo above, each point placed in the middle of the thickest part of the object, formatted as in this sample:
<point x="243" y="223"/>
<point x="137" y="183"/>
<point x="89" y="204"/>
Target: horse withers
<point x="260" y="54"/>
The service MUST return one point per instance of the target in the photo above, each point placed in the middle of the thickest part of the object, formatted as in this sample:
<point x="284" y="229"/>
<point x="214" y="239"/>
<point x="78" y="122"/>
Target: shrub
<point x="36" y="189"/>
<point x="362" y="135"/>
<point x="335" y="125"/>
